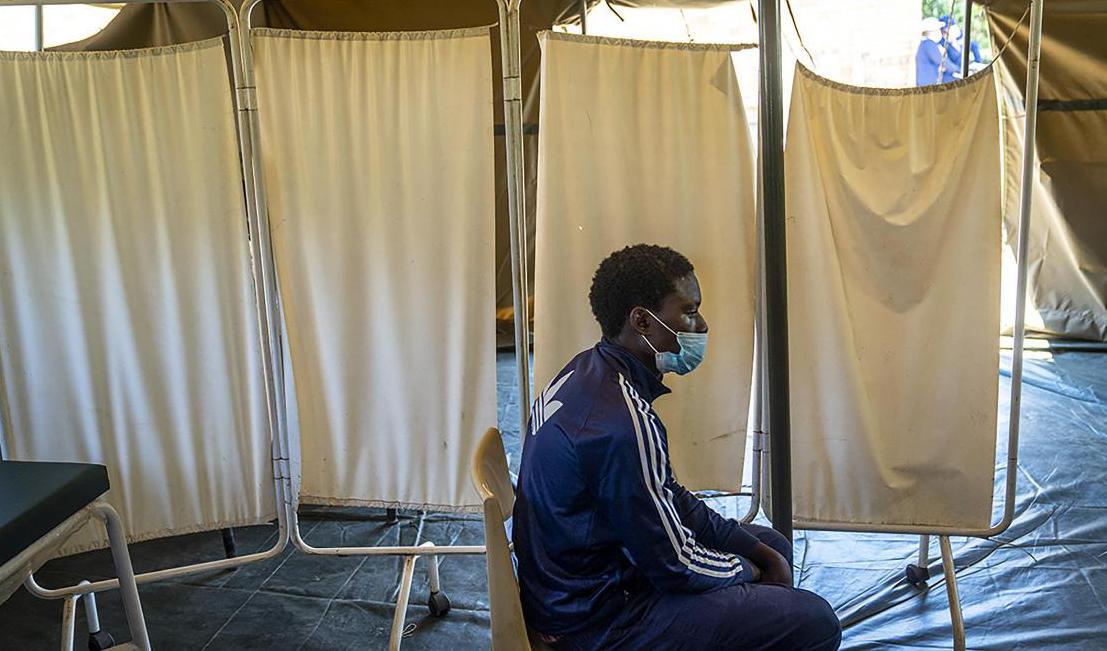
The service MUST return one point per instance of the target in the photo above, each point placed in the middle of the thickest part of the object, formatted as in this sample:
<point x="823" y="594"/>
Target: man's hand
<point x="774" y="567"/>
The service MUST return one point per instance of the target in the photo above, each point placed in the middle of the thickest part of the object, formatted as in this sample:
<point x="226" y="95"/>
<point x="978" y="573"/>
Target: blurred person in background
<point x="954" y="45"/>
<point x="931" y="63"/>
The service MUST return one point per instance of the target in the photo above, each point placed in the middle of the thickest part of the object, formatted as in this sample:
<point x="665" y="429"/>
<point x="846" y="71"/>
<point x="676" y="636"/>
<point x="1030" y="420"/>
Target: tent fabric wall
<point x="128" y="329"/>
<point x="894" y="234"/>
<point x="648" y="142"/>
<point x="1068" y="233"/>
<point x="378" y="162"/>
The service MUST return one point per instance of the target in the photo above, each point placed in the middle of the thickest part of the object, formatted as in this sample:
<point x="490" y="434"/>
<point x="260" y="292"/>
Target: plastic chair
<point x="493" y="483"/>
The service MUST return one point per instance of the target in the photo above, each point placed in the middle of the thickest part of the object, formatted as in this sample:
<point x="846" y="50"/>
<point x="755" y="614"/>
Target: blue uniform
<point x="613" y="552"/>
<point x="954" y="55"/>
<point x="929" y="58"/>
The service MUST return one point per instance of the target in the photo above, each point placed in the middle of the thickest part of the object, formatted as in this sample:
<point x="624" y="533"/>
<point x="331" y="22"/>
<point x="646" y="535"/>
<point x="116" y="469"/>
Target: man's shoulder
<point x="587" y="392"/>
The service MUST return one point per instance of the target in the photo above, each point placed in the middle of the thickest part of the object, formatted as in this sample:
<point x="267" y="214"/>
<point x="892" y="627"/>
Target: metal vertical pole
<point x="92" y="614"/>
<point x="230" y="548"/>
<point x="956" y="617"/>
<point x="966" y="41"/>
<point x="758" y="393"/>
<point x="776" y="279"/>
<point x="517" y="225"/>
<point x="924" y="551"/>
<point x="263" y="259"/>
<point x="128" y="587"/>
<point x="583" y="4"/>
<point x="1029" y="151"/>
<point x="400" y="614"/>
<point x="40" y="29"/>
<point x="69" y="622"/>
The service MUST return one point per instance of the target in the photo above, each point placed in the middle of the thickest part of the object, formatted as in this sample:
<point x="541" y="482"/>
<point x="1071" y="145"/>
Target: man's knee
<point x="773" y="539"/>
<point x="821" y="627"/>
<point x="774" y="617"/>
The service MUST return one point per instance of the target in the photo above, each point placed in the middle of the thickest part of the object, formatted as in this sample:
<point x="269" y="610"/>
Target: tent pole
<point x="966" y="40"/>
<point x="776" y="280"/>
<point x="513" y="131"/>
<point x="1029" y="151"/>
<point x="40" y="29"/>
<point x="758" y="397"/>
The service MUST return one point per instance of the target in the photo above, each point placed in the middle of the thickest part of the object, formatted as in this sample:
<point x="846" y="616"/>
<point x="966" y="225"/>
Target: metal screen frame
<point x="772" y="176"/>
<point x="509" y="39"/>
<point x="273" y="414"/>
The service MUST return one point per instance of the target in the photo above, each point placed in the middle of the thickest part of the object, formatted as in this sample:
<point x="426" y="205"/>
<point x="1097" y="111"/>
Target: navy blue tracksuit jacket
<point x="598" y="511"/>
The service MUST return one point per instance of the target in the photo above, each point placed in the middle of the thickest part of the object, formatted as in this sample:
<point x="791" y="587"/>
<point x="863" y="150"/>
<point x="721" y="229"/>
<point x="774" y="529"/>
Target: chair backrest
<point x="493" y="483"/>
<point x="490" y="474"/>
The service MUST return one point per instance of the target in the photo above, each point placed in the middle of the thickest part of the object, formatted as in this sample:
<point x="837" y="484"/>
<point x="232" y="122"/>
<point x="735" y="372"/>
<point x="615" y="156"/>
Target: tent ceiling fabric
<point x="161" y="24"/>
<point x="570" y="12"/>
<point x="1074" y="52"/>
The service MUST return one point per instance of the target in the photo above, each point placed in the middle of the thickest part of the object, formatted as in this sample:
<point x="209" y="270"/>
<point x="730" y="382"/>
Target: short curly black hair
<point x="642" y="274"/>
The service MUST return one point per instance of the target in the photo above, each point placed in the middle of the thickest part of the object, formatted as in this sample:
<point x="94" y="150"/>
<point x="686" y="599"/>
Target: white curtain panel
<point x="128" y="322"/>
<point x="378" y="159"/>
<point x="894" y="231"/>
<point x="648" y="142"/>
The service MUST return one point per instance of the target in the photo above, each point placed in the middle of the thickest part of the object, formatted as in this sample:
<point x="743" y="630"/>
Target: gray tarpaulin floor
<point x="1041" y="585"/>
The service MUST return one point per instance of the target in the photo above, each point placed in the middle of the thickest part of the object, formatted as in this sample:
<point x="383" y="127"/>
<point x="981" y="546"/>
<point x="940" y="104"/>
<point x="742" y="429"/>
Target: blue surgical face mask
<point x="693" y="347"/>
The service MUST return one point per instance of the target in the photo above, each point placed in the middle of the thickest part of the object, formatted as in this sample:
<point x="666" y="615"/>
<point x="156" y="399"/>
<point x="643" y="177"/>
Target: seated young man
<point x="613" y="552"/>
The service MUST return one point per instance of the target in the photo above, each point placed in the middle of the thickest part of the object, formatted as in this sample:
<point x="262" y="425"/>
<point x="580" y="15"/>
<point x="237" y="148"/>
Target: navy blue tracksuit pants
<point x="747" y="616"/>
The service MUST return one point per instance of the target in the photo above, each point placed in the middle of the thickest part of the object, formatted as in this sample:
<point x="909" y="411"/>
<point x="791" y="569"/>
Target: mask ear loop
<point x="661" y="322"/>
<point x="655" y="351"/>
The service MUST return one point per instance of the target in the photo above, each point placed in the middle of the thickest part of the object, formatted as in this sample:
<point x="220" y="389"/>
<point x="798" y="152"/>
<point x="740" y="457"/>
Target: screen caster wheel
<point x="917" y="576"/>
<point x="100" y="640"/>
<point x="439" y="604"/>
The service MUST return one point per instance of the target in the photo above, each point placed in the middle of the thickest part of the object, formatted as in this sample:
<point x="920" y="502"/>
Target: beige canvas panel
<point x="893" y="281"/>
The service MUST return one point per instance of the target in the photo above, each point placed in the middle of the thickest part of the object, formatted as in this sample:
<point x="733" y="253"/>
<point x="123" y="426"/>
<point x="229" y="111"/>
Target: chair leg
<point x="954" y="599"/>
<point x="128" y="588"/>
<point x="400" y="616"/>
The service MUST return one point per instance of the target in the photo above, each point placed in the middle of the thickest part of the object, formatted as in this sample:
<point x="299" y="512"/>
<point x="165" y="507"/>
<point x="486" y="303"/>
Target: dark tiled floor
<point x="291" y="601"/>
